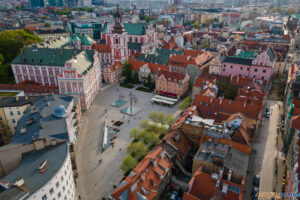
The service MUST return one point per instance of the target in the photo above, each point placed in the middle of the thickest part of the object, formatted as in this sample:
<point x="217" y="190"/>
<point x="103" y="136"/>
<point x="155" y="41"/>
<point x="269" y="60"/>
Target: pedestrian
<point x="128" y="121"/>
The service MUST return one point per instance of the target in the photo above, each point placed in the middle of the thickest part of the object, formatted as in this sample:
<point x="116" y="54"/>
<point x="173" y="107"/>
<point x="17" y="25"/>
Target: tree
<point x="137" y="149"/>
<point x="153" y="115"/>
<point x="147" y="19"/>
<point x="135" y="77"/>
<point x="227" y="89"/>
<point x="142" y="135"/>
<point x="144" y="123"/>
<point x="169" y="119"/>
<point x="127" y="72"/>
<point x="292" y="11"/>
<point x="134" y="133"/>
<point x="206" y="45"/>
<point x="161" y="117"/>
<point x="151" y="139"/>
<point x="1" y="59"/>
<point x="47" y="24"/>
<point x="185" y="103"/>
<point x="128" y="164"/>
<point x="196" y="24"/>
<point x="149" y="80"/>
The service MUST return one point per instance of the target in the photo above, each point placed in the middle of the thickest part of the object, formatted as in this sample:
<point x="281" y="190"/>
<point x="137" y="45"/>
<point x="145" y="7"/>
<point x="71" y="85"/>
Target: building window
<point x="262" y="78"/>
<point x="248" y="69"/>
<point x="264" y="71"/>
<point x="117" y="41"/>
<point x="223" y="70"/>
<point x="231" y="66"/>
<point x="57" y="184"/>
<point x="44" y="197"/>
<point x="59" y="195"/>
<point x="11" y="113"/>
<point x="19" y="113"/>
<point x="64" y="188"/>
<point x="241" y="68"/>
<point x="51" y="191"/>
<point x="62" y="178"/>
<point x="255" y="70"/>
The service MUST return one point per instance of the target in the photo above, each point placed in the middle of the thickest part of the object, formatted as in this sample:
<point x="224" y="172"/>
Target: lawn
<point x="8" y="94"/>
<point x="144" y="89"/>
<point x="126" y="85"/>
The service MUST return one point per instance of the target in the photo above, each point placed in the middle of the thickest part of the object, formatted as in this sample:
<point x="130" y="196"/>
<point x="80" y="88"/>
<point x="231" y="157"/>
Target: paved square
<point x="97" y="180"/>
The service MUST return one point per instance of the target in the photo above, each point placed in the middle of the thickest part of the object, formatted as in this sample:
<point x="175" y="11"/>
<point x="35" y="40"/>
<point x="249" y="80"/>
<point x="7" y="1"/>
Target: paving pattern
<point x="95" y="180"/>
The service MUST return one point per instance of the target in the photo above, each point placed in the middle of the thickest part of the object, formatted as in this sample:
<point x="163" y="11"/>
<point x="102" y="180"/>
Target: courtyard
<point x="98" y="169"/>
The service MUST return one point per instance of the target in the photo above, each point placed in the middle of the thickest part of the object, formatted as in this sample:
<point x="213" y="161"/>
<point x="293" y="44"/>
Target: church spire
<point x="118" y="27"/>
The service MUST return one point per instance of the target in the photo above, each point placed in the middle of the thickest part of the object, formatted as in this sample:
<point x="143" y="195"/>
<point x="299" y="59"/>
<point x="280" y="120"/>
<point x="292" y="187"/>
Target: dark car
<point x="256" y="181"/>
<point x="254" y="193"/>
<point x="267" y="112"/>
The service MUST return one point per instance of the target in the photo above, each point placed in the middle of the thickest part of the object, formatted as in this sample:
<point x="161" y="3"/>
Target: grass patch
<point x="8" y="94"/>
<point x="143" y="89"/>
<point x="126" y="85"/>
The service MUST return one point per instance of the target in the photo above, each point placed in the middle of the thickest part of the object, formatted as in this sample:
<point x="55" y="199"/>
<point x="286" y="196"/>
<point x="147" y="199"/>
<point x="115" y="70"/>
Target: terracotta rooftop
<point x="102" y="48"/>
<point x="30" y="87"/>
<point x="172" y="76"/>
<point x="144" y="180"/>
<point x="225" y="106"/>
<point x="202" y="186"/>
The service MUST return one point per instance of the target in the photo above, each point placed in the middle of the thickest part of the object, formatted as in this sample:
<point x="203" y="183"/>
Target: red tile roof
<point x="204" y="187"/>
<point x="136" y="65"/>
<point x="171" y="76"/>
<point x="102" y="48"/>
<point x="146" y="176"/>
<point x="225" y="106"/>
<point x="30" y="87"/>
<point x="296" y="122"/>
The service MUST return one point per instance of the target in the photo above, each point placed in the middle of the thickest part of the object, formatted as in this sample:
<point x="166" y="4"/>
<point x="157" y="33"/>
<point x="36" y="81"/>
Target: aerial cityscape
<point x="149" y="99"/>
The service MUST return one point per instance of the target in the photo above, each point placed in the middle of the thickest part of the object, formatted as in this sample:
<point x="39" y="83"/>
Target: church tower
<point x="118" y="39"/>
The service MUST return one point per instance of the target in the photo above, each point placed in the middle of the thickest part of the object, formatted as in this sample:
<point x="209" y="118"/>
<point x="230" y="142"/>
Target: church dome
<point x="60" y="111"/>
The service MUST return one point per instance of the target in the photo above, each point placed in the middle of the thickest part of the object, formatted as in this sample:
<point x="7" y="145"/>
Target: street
<point x="97" y="179"/>
<point x="262" y="161"/>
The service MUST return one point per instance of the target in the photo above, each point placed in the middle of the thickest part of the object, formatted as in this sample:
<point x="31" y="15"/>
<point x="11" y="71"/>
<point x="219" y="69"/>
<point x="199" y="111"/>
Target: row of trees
<point x="185" y="103"/>
<point x="133" y="77"/>
<point x="145" y="139"/>
<point x="11" y="43"/>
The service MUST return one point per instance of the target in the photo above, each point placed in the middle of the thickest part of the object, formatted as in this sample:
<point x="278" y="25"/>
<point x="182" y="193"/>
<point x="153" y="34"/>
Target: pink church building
<point x="260" y="67"/>
<point x="119" y="41"/>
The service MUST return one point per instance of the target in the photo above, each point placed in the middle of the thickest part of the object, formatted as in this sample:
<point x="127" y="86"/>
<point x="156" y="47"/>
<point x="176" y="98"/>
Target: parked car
<point x="267" y="112"/>
<point x="254" y="193"/>
<point x="256" y="181"/>
<point x="174" y="195"/>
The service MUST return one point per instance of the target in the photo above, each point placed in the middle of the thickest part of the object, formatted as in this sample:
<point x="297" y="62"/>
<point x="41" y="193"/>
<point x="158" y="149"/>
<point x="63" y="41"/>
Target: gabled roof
<point x="146" y="177"/>
<point x="236" y="60"/>
<point x="172" y="76"/>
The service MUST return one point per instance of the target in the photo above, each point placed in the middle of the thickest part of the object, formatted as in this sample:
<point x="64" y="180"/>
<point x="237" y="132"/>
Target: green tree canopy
<point x="142" y="135"/>
<point x="291" y="11"/>
<point x="147" y="19"/>
<point x="47" y="24"/>
<point x="138" y="150"/>
<point x="127" y="72"/>
<point x="196" y="24"/>
<point x="185" y="103"/>
<point x="136" y="77"/>
<point x="151" y="139"/>
<point x="134" y="133"/>
<point x="144" y="123"/>
<point x="161" y="117"/>
<point x="149" y="80"/>
<point x="153" y="115"/>
<point x="227" y="89"/>
<point x="169" y="119"/>
<point x="128" y="164"/>
<point x="1" y="59"/>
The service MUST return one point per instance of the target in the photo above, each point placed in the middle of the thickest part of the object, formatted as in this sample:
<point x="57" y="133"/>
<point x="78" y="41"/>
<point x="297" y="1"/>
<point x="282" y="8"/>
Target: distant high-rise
<point x="37" y="3"/>
<point x="98" y="2"/>
<point x="59" y="3"/>
<point x="85" y="3"/>
<point x="177" y="2"/>
<point x="71" y="3"/>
